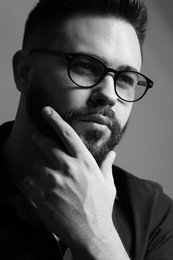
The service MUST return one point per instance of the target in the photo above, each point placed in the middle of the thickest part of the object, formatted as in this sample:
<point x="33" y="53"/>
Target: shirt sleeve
<point x="160" y="246"/>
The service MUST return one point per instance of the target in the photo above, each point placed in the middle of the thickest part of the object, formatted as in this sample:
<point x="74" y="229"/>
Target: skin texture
<point x="74" y="103"/>
<point x="73" y="195"/>
<point x="96" y="36"/>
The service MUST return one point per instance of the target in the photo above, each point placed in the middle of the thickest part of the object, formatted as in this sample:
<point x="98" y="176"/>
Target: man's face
<point x="96" y="114"/>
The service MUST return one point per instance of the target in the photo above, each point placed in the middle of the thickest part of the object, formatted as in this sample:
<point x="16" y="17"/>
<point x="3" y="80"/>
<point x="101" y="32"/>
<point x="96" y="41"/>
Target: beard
<point x="37" y="98"/>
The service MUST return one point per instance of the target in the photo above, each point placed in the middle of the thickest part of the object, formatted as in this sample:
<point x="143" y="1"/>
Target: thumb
<point x="106" y="166"/>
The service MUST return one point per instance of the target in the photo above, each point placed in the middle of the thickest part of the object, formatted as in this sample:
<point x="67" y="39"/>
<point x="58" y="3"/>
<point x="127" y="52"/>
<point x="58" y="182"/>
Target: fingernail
<point x="46" y="111"/>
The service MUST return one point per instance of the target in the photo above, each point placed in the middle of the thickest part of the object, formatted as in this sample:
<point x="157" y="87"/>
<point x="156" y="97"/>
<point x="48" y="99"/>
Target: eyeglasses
<point x="88" y="71"/>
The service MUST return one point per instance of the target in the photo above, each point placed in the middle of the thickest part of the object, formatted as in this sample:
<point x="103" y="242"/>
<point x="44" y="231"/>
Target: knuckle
<point x="66" y="133"/>
<point x="48" y="178"/>
<point x="70" y="168"/>
<point x="42" y="169"/>
<point x="89" y="164"/>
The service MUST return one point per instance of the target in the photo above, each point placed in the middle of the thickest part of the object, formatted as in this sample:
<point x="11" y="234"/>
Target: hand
<point x="73" y="196"/>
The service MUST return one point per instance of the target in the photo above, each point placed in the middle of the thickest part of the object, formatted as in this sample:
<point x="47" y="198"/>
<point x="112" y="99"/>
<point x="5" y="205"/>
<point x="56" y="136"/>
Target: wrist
<point x="101" y="246"/>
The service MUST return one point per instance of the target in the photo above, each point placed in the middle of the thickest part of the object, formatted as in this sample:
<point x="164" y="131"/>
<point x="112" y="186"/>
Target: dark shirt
<point x="142" y="215"/>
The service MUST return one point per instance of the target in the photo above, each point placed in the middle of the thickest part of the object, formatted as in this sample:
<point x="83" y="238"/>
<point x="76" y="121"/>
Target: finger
<point x="48" y="177"/>
<point x="106" y="167"/>
<point x="69" y="137"/>
<point x="33" y="190"/>
<point x="37" y="195"/>
<point x="51" y="150"/>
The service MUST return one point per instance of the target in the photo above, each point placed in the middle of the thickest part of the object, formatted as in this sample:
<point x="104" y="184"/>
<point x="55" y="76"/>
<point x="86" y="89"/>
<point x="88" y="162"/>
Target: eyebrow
<point x="120" y="68"/>
<point x="127" y="67"/>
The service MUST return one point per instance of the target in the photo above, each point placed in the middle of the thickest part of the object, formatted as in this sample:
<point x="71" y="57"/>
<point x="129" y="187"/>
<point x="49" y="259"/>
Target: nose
<point x="104" y="93"/>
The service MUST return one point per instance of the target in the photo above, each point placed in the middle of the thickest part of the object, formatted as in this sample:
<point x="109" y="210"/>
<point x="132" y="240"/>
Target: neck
<point x="20" y="153"/>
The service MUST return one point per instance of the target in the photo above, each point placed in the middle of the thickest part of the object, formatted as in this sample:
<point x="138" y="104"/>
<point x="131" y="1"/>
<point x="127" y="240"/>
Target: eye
<point x="127" y="80"/>
<point x="124" y="81"/>
<point x="84" y="65"/>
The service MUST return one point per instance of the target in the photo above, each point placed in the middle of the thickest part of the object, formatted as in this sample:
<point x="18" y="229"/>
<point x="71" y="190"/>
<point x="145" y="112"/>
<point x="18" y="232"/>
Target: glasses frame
<point x="71" y="56"/>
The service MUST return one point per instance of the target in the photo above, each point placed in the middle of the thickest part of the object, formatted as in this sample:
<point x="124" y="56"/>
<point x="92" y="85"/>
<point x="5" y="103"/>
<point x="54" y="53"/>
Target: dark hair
<point x="42" y="22"/>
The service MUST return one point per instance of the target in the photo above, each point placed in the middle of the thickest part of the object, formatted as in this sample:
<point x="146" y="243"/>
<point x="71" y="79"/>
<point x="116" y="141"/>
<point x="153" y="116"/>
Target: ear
<point x="22" y="69"/>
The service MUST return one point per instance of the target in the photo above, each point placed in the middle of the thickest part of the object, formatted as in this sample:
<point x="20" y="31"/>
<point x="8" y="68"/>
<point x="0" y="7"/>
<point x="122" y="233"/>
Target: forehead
<point x="111" y="39"/>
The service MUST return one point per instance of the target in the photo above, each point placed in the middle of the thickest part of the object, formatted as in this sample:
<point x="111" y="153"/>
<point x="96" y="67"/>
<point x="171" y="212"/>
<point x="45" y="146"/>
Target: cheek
<point x="123" y="112"/>
<point x="69" y="98"/>
<point x="63" y="92"/>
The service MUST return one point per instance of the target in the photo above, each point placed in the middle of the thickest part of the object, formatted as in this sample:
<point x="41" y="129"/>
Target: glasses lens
<point x="86" y="71"/>
<point x="131" y="86"/>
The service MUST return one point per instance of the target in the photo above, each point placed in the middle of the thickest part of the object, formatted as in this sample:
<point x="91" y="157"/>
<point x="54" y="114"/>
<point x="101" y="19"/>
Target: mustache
<point x="87" y="111"/>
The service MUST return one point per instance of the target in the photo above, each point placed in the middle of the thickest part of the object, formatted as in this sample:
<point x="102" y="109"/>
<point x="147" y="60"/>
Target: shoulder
<point x="144" y="200"/>
<point x="145" y="214"/>
<point x="5" y="130"/>
<point x="132" y="185"/>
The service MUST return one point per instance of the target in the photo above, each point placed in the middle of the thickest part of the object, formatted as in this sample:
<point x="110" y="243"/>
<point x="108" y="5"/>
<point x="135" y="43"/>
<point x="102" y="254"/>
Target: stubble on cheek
<point x="99" y="143"/>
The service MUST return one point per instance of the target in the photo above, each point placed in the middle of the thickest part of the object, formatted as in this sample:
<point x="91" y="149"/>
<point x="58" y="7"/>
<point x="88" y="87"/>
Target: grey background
<point x="147" y="148"/>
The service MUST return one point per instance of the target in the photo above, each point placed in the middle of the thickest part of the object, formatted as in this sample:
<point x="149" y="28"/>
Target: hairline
<point x="58" y="28"/>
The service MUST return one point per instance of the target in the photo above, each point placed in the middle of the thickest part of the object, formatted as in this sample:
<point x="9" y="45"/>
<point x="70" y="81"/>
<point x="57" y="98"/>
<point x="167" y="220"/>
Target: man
<point x="79" y="74"/>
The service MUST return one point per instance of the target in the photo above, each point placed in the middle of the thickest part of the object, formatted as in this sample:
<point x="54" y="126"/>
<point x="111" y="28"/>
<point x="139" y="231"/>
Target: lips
<point x="97" y="118"/>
